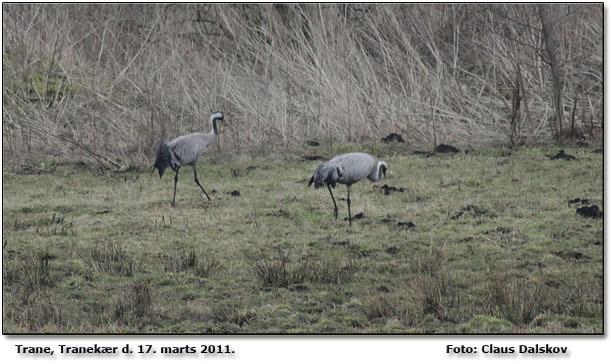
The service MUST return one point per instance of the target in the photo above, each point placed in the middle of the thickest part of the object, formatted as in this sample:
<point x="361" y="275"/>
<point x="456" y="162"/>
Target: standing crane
<point x="184" y="151"/>
<point x="347" y="169"/>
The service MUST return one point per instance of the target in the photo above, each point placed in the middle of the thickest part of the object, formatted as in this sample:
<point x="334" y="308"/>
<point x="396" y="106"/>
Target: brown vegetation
<point x="105" y="82"/>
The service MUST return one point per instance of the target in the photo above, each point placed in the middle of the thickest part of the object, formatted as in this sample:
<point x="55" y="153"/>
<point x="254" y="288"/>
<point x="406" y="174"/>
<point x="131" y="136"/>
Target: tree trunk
<point x="550" y="46"/>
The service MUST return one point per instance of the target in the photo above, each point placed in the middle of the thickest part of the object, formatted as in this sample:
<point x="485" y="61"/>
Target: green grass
<point x="495" y="247"/>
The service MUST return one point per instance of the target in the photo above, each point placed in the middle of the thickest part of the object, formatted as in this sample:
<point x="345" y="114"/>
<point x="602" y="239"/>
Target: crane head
<point x="382" y="167"/>
<point x="217" y="116"/>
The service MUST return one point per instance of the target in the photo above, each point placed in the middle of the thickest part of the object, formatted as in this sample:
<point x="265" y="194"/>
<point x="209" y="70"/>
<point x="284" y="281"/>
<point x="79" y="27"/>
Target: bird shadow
<point x="358" y="216"/>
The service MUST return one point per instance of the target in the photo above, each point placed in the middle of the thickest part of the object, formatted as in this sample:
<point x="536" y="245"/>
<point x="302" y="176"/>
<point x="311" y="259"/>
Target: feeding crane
<point x="184" y="151"/>
<point x="347" y="169"/>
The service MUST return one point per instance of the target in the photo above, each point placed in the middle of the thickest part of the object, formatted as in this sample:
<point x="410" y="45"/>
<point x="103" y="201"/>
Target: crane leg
<point x="200" y="186"/>
<point x="334" y="204"/>
<point x="349" y="213"/>
<point x="175" y="183"/>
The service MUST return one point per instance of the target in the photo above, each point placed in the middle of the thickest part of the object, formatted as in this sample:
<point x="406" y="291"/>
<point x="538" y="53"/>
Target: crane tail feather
<point x="163" y="158"/>
<point x="325" y="174"/>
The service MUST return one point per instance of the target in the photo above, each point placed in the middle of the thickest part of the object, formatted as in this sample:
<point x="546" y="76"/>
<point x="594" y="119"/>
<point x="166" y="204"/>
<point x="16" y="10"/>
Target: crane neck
<point x="215" y="130"/>
<point x="213" y="118"/>
<point x="382" y="167"/>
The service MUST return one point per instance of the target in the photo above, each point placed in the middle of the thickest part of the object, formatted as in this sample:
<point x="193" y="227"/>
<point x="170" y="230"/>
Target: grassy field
<point x="493" y="246"/>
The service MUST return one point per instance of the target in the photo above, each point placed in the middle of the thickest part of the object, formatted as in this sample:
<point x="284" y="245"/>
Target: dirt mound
<point x="341" y="243"/>
<point x="299" y="287"/>
<point x="562" y="155"/>
<point x="579" y="201"/>
<point x="590" y="211"/>
<point x="358" y="216"/>
<point x="393" y="137"/>
<point x="571" y="255"/>
<point x="387" y="189"/>
<point x="406" y="225"/>
<point x="445" y="148"/>
<point x="422" y="152"/>
<point x="313" y="158"/>
<point x="393" y="250"/>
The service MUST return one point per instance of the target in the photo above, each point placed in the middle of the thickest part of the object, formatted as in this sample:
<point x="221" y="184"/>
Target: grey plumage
<point x="347" y="169"/>
<point x="184" y="151"/>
